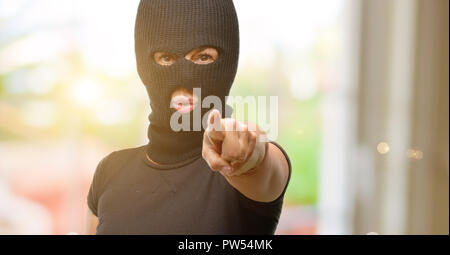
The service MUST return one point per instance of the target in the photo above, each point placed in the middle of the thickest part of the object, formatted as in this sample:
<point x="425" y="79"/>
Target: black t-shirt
<point x="130" y="195"/>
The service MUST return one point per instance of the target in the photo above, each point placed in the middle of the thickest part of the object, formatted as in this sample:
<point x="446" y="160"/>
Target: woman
<point x="210" y="181"/>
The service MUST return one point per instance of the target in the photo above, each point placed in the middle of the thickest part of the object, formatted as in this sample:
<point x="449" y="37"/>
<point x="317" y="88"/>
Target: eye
<point x="164" y="58"/>
<point x="203" y="56"/>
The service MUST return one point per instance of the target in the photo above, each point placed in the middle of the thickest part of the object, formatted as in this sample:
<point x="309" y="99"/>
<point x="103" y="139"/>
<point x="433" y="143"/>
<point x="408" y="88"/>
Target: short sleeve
<point x="96" y="185"/>
<point x="290" y="170"/>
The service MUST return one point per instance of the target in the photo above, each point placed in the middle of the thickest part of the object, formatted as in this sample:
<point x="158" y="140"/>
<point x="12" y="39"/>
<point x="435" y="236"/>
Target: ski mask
<point x="177" y="27"/>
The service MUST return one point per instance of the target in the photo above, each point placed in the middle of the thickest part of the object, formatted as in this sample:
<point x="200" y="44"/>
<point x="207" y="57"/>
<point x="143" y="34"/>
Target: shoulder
<point x="115" y="161"/>
<point x="124" y="154"/>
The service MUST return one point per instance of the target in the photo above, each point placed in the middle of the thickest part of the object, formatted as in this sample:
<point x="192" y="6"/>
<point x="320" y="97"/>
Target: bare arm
<point x="266" y="182"/>
<point x="242" y="158"/>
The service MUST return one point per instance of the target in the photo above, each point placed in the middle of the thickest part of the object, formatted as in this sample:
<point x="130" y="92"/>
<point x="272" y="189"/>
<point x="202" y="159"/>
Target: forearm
<point x="266" y="182"/>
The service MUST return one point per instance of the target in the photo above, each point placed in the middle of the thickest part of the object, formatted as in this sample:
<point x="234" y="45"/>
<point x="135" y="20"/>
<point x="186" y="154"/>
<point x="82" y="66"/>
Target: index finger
<point x="214" y="129"/>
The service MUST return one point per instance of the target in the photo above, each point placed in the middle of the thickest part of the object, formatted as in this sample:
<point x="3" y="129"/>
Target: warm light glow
<point x="39" y="114"/>
<point x="304" y="83"/>
<point x="415" y="154"/>
<point x="111" y="112"/>
<point x="85" y="92"/>
<point x="68" y="70"/>
<point x="383" y="148"/>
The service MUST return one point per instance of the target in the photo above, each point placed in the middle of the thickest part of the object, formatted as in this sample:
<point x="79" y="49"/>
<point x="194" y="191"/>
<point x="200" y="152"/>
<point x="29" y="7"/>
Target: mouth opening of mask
<point x="183" y="100"/>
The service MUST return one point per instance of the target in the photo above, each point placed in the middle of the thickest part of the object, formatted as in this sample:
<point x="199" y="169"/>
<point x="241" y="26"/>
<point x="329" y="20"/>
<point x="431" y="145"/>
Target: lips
<point x="183" y="103"/>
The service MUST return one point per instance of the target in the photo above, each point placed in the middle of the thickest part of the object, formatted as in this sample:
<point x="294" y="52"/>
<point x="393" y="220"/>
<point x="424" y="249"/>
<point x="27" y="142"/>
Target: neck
<point x="167" y="146"/>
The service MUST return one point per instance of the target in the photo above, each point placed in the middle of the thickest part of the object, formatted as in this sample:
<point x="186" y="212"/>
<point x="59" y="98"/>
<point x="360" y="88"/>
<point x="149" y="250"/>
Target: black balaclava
<point x="177" y="27"/>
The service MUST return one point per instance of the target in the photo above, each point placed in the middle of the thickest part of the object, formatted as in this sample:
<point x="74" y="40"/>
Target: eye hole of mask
<point x="200" y="56"/>
<point x="165" y="58"/>
<point x="203" y="55"/>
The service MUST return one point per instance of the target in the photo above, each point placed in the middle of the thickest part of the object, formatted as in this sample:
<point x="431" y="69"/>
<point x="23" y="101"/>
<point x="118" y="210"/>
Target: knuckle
<point x="252" y="136"/>
<point x="242" y="151"/>
<point x="214" y="164"/>
<point x="232" y="154"/>
<point x="244" y="127"/>
<point x="204" y="153"/>
<point x="243" y="134"/>
<point x="228" y="157"/>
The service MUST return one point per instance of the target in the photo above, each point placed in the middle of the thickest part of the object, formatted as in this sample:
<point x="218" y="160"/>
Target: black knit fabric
<point x="177" y="27"/>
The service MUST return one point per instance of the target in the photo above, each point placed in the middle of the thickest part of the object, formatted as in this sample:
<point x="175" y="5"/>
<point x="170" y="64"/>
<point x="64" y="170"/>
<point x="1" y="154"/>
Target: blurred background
<point x="363" y="108"/>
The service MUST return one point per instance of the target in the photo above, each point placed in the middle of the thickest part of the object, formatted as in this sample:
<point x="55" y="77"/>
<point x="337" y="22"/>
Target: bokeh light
<point x="383" y="148"/>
